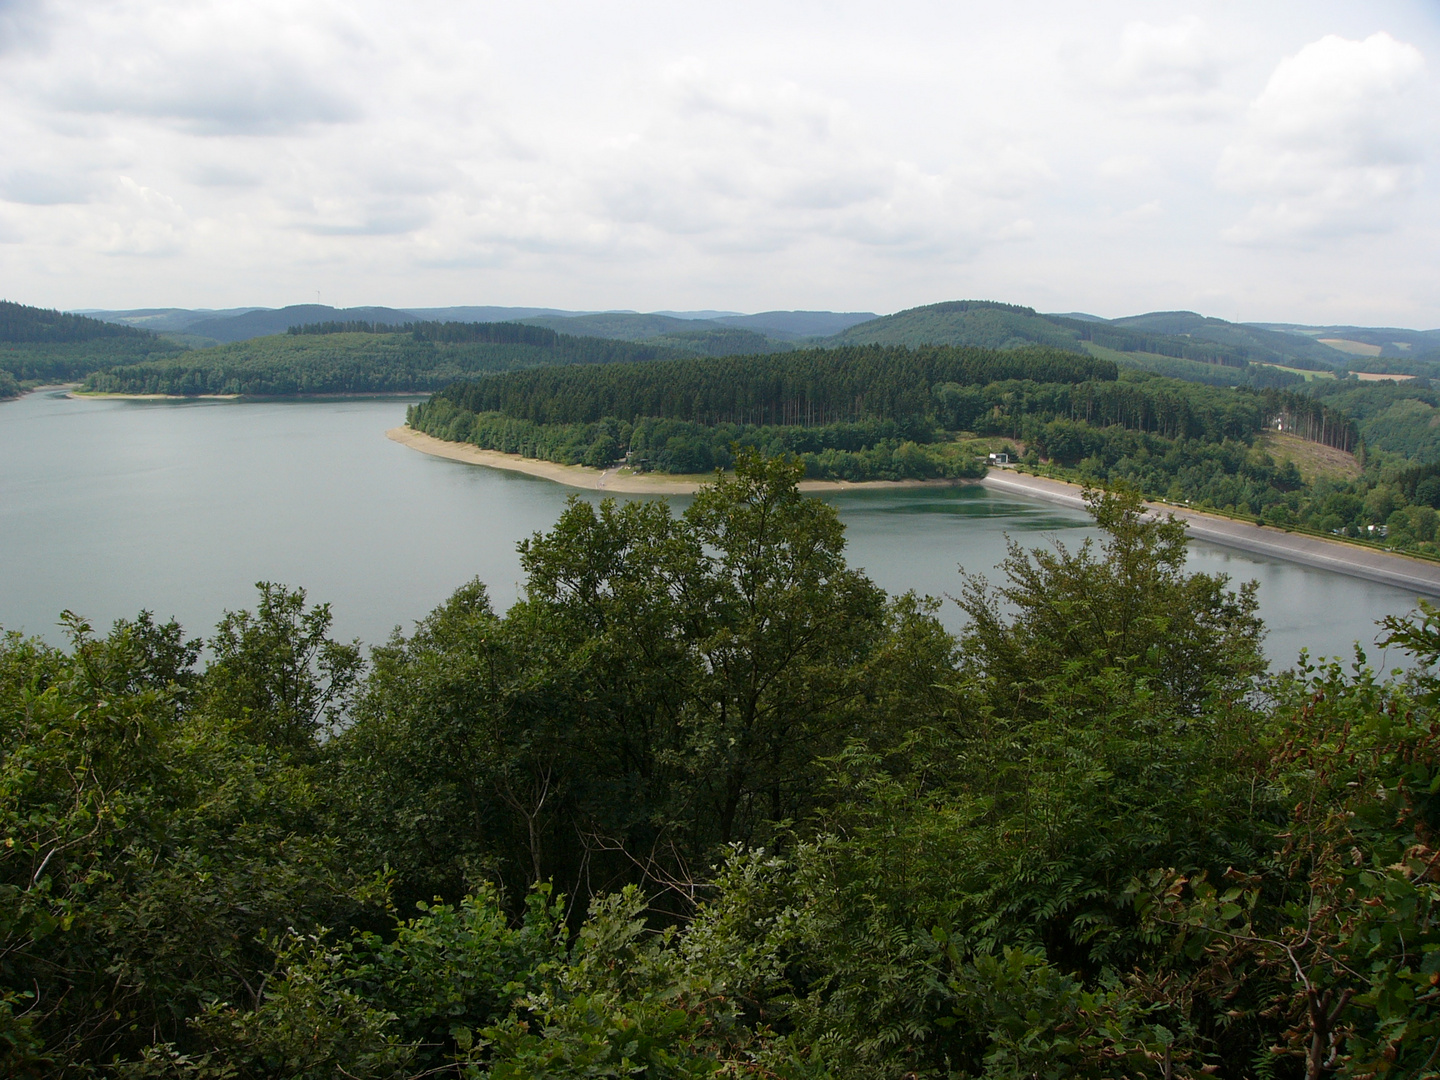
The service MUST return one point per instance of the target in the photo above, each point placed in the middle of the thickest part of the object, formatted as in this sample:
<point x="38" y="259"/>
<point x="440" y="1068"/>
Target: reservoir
<point x="108" y="507"/>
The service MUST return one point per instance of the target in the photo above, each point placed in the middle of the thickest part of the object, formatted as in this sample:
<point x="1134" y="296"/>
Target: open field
<point x="1380" y="376"/>
<point x="1354" y="348"/>
<point x="1305" y="373"/>
<point x="1312" y="459"/>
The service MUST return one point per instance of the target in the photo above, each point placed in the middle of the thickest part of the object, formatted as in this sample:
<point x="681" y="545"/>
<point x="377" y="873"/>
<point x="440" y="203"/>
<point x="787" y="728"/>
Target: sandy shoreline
<point x="621" y="481"/>
<point x="1353" y="560"/>
<point x="236" y="397"/>
<point x="151" y="397"/>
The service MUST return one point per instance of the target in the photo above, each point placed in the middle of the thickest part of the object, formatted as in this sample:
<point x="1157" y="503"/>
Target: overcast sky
<point x="1272" y="161"/>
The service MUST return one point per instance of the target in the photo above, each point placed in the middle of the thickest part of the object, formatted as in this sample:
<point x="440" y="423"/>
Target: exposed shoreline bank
<point x="100" y="395"/>
<point x="620" y="481"/>
<point x="1387" y="568"/>
<point x="237" y="397"/>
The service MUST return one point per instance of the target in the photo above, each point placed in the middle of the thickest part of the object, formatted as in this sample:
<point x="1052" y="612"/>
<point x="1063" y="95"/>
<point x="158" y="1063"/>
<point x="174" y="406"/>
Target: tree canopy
<point x="706" y="802"/>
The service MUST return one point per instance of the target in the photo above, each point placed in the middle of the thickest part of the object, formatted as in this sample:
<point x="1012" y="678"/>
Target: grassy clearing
<point x="1312" y="459"/>
<point x="1137" y="359"/>
<point x="1380" y="376"/>
<point x="1306" y="373"/>
<point x="1354" y="348"/>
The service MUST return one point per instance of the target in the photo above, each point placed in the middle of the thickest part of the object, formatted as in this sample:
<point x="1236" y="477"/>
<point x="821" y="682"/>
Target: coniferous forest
<point x="707" y="802"/>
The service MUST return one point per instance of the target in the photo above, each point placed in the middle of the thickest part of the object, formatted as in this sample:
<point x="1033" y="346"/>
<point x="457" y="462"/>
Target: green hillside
<point x="616" y="325"/>
<point x="1151" y="340"/>
<point x="878" y="412"/>
<point x="719" y="341"/>
<point x="22" y="324"/>
<point x="1365" y="342"/>
<point x="1248" y="342"/>
<point x="979" y="323"/>
<point x="39" y="346"/>
<point x="856" y="413"/>
<point x="700" y="337"/>
<point x="426" y="357"/>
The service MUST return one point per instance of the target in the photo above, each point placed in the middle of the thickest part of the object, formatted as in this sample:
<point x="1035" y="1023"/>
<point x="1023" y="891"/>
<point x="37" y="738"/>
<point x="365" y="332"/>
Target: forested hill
<point x="22" y="324"/>
<point x="38" y="346"/>
<point x="1147" y="340"/>
<point x="979" y="323"/>
<point x="819" y="386"/>
<point x="890" y="413"/>
<point x="357" y="360"/>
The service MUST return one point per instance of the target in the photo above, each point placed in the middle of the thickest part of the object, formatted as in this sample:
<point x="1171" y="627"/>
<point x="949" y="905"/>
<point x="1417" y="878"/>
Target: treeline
<point x="22" y="324"/>
<point x="864" y="451"/>
<point x="39" y="346"/>
<point x="427" y="358"/>
<point x="501" y="333"/>
<point x="1053" y="402"/>
<point x="55" y="362"/>
<point x="808" y="388"/>
<point x="859" y="413"/>
<point x="1397" y="417"/>
<point x="1123" y="339"/>
<point x="1165" y="407"/>
<point x="707" y="802"/>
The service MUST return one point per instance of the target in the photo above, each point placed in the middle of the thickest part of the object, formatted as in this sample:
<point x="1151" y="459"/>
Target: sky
<point x="1272" y="162"/>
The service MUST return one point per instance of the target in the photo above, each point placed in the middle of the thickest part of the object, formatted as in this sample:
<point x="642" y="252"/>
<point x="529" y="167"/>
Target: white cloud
<point x="1334" y="144"/>
<point x="142" y="221"/>
<point x="21" y="24"/>
<point x="45" y="187"/>
<point x="644" y="154"/>
<point x="1173" y="70"/>
<point x="213" y="69"/>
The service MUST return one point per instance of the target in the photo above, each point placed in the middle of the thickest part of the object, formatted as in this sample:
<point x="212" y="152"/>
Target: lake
<point x="110" y="506"/>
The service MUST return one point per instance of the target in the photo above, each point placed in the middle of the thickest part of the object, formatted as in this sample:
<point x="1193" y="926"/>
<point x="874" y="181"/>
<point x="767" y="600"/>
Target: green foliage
<point x="427" y="357"/>
<point x="39" y="346"/>
<point x="852" y="414"/>
<point x="667" y="685"/>
<point x="1397" y="418"/>
<point x="1334" y="934"/>
<point x="814" y="835"/>
<point x="276" y="673"/>
<point x="981" y="323"/>
<point x="719" y="341"/>
<point x="54" y="362"/>
<point x="1132" y="609"/>
<point x="622" y="1006"/>
<point x="1182" y="336"/>
<point x="19" y="323"/>
<point x="868" y="450"/>
<point x="1170" y="438"/>
<point x="811" y="387"/>
<point x="149" y="849"/>
<point x="416" y="998"/>
<point x="1237" y="340"/>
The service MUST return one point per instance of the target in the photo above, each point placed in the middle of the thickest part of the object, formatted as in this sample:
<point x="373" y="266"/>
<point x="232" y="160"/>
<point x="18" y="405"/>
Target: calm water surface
<point x="107" y="507"/>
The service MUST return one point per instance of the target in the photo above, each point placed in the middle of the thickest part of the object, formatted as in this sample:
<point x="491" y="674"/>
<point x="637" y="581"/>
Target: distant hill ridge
<point x="711" y="331"/>
<point x="1169" y="342"/>
<point x="1147" y="339"/>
